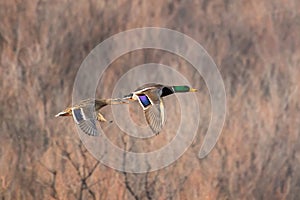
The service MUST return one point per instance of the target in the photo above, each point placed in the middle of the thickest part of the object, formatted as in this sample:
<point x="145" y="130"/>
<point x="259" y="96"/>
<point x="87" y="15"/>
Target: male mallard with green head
<point x="150" y="98"/>
<point x="84" y="113"/>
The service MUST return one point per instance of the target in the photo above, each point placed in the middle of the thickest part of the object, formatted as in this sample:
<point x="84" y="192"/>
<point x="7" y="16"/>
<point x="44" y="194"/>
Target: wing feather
<point x="155" y="117"/>
<point x="86" y="119"/>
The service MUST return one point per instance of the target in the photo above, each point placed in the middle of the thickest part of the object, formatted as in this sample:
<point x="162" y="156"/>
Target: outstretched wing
<point x="155" y="116"/>
<point x="86" y="119"/>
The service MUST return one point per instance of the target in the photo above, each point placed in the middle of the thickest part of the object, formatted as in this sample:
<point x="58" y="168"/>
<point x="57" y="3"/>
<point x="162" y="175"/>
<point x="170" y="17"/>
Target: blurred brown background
<point x="254" y="43"/>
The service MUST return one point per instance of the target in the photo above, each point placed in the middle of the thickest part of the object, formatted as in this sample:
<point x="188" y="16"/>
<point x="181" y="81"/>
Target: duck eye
<point x="144" y="100"/>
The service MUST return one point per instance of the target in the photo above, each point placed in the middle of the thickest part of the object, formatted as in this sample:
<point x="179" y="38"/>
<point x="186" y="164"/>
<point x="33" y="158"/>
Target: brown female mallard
<point x="84" y="113"/>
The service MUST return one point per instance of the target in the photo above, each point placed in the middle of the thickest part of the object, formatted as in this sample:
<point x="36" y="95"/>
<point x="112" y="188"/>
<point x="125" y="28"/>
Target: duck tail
<point x="63" y="113"/>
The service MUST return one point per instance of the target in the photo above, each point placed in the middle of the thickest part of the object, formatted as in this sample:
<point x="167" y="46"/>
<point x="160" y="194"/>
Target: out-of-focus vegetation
<point x="256" y="46"/>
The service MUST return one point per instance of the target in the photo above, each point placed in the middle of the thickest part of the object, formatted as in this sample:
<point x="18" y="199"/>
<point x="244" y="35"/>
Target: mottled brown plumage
<point x="84" y="113"/>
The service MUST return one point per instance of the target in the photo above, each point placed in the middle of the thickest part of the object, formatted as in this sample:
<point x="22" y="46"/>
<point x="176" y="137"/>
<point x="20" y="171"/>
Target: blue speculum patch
<point x="144" y="100"/>
<point x="78" y="115"/>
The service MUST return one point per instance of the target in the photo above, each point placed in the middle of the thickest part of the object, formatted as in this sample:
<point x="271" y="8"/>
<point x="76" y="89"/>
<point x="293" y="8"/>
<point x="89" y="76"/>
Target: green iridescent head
<point x="183" y="88"/>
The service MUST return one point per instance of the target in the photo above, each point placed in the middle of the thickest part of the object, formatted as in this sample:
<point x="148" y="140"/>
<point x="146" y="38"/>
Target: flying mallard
<point x="150" y="98"/>
<point x="84" y="113"/>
